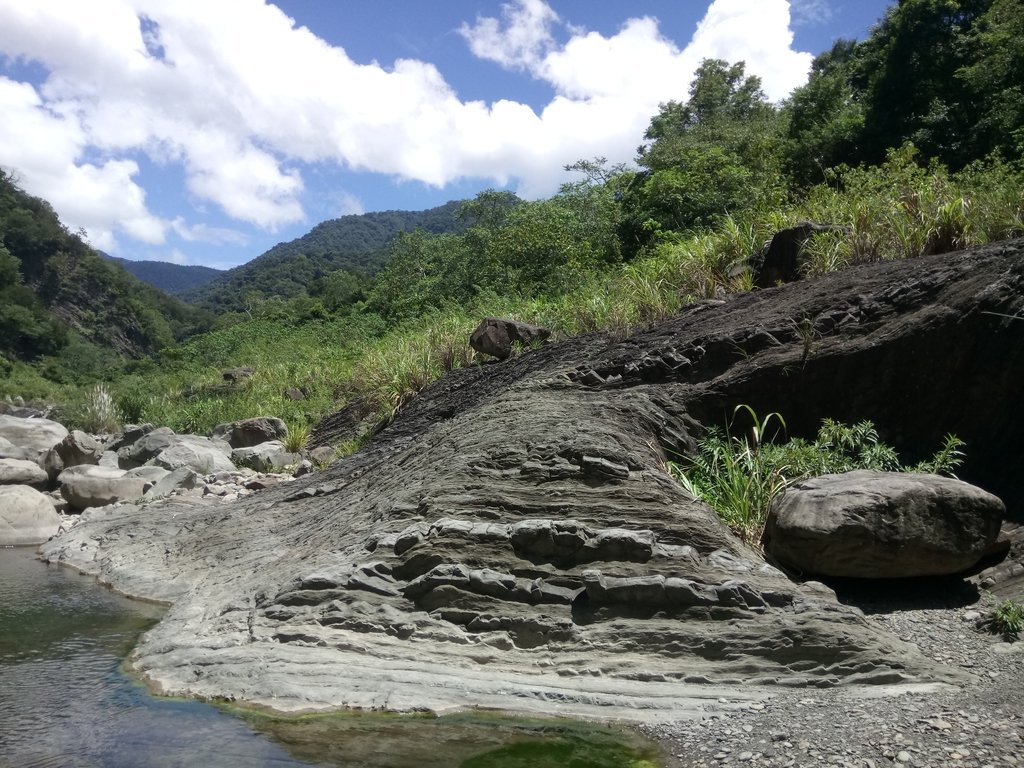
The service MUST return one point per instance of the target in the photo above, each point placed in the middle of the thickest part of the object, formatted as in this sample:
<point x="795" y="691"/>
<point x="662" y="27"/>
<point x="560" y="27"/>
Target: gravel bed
<point x="980" y="724"/>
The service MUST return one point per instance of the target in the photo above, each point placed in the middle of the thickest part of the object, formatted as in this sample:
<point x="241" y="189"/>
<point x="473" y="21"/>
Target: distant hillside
<point x="54" y="289"/>
<point x="169" y="278"/>
<point x="357" y="243"/>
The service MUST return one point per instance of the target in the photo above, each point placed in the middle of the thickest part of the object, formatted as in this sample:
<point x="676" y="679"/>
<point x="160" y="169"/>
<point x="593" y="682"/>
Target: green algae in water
<point x="466" y="740"/>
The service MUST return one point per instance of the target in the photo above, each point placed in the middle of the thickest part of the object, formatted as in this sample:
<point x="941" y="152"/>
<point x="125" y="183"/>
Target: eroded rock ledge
<point x="513" y="539"/>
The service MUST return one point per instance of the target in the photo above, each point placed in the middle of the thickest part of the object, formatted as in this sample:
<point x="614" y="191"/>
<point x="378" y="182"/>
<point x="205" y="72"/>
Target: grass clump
<point x="1008" y="619"/>
<point x="740" y="475"/>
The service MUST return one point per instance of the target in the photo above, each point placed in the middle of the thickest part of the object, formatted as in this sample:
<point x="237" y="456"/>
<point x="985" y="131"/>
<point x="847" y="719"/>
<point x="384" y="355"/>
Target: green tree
<point x="718" y="152"/>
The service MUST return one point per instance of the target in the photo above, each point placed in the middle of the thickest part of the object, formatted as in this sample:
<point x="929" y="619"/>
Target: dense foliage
<point x="167" y="277"/>
<point x="910" y="141"/>
<point x="65" y="308"/>
<point x="740" y="475"/>
<point x="356" y="244"/>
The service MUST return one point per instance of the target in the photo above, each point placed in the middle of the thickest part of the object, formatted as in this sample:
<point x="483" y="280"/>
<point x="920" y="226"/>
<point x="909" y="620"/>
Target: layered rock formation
<point x="514" y="540"/>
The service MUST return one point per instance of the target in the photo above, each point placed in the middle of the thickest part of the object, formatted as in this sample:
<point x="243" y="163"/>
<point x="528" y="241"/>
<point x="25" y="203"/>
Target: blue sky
<point x="206" y="131"/>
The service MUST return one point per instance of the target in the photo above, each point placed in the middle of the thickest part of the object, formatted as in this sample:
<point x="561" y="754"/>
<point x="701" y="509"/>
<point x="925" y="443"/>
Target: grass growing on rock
<point x="383" y="353"/>
<point x="740" y="475"/>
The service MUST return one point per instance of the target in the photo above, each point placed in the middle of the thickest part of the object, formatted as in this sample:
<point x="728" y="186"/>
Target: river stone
<point x="867" y="524"/>
<point x="34" y="436"/>
<point x="26" y="516"/>
<point x="9" y="450"/>
<point x="22" y="472"/>
<point x="251" y="432"/>
<point x="270" y="456"/>
<point x="197" y="453"/>
<point x="89" y="485"/>
<point x="180" y="479"/>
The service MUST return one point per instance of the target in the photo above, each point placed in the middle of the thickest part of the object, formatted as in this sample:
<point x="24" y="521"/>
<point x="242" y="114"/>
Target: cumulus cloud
<point x="232" y="92"/>
<point x="521" y="41"/>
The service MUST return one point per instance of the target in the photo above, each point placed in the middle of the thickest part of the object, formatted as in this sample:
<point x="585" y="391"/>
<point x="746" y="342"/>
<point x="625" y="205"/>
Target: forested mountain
<point x="169" y="278"/>
<point x="356" y="244"/>
<point x="56" y="293"/>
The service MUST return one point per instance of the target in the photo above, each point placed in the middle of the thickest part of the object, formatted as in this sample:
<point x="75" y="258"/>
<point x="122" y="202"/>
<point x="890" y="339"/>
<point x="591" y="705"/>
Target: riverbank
<point x="978" y="724"/>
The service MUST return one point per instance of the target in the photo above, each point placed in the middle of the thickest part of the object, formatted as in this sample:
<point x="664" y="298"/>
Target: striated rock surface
<point x="881" y="525"/>
<point x="513" y="539"/>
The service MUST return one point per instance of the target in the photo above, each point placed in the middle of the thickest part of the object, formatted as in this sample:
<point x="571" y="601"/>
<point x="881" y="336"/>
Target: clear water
<point x="65" y="703"/>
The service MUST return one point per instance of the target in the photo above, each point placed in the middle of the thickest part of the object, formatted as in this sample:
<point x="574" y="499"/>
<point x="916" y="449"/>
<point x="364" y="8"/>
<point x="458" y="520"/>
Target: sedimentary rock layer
<point x="514" y="539"/>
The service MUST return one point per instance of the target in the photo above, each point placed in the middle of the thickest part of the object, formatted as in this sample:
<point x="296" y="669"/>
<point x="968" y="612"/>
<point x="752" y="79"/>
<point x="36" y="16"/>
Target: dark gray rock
<point x="270" y="456"/>
<point x="26" y="516"/>
<point x="869" y="525"/>
<point x="251" y="432"/>
<point x="237" y="375"/>
<point x="180" y="479"/>
<point x="498" y="336"/>
<point x="781" y="260"/>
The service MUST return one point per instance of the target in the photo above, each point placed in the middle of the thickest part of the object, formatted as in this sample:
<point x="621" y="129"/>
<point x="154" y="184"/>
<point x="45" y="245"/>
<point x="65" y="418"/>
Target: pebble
<point x="976" y="725"/>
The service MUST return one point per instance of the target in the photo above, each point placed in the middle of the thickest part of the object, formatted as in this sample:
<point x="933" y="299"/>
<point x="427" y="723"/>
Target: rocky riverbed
<point x="976" y="724"/>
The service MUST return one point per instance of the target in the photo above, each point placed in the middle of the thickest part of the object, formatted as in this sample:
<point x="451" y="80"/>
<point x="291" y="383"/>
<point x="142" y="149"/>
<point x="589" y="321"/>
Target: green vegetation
<point x="910" y="142"/>
<point x="740" y="475"/>
<point x="1008" y="619"/>
<point x="355" y="246"/>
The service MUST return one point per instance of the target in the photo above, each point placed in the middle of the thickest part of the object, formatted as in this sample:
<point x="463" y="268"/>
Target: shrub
<point x="1008" y="619"/>
<point x="98" y="413"/>
<point x="740" y="476"/>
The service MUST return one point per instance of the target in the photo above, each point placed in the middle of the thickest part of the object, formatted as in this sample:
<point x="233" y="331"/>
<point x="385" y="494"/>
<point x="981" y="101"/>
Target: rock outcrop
<point x="513" y="539"/>
<point x="877" y="525"/>
<point x="497" y="336"/>
<point x="34" y="437"/>
<point x="251" y="432"/>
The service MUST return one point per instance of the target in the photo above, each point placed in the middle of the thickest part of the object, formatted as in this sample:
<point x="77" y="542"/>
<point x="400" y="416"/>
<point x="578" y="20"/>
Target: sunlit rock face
<point x="514" y="540"/>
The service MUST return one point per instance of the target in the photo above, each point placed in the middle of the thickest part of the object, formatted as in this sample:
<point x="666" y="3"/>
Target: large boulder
<point x="868" y="524"/>
<point x="77" y="448"/>
<point x="250" y="432"/>
<point x="88" y="485"/>
<point x="34" y="436"/>
<point x="265" y="457"/>
<point x="26" y="516"/>
<point x="146" y="447"/>
<point x="497" y="336"/>
<point x="201" y="454"/>
<point x="22" y="472"/>
<point x="9" y="450"/>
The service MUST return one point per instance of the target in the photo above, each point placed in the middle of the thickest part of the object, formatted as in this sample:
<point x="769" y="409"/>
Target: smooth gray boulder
<point x="9" y="450"/>
<point x="180" y="479"/>
<point x="265" y="457"/>
<point x="88" y="485"/>
<point x="872" y="525"/>
<point x="198" y="453"/>
<point x="26" y="516"/>
<point x="22" y="472"/>
<point x="251" y="432"/>
<point x="34" y="436"/>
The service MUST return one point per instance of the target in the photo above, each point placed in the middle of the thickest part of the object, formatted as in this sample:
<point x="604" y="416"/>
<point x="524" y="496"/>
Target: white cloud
<point x="204" y="233"/>
<point x="349" y="204"/>
<point x="811" y="12"/>
<point x="193" y="83"/>
<point x="521" y="42"/>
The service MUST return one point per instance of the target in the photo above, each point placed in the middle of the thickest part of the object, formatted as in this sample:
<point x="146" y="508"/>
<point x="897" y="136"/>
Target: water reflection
<point x="65" y="703"/>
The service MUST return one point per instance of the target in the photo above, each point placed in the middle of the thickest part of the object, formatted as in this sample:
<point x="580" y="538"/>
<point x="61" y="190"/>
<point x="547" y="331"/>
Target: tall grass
<point x="897" y="210"/>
